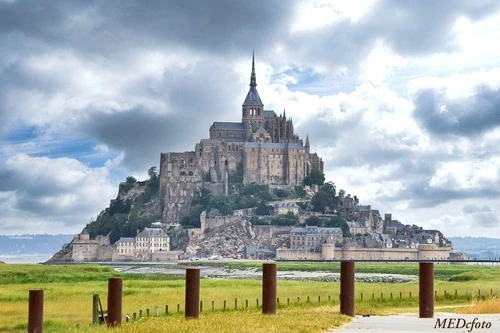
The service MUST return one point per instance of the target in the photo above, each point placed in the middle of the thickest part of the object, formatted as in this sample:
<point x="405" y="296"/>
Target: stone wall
<point x="424" y="252"/>
<point x="288" y="254"/>
<point x="85" y="250"/>
<point x="217" y="221"/>
<point x="267" y="232"/>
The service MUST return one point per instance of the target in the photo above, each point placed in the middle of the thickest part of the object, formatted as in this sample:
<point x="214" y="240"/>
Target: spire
<point x="308" y="145"/>
<point x="253" y="79"/>
<point x="253" y="97"/>
<point x="284" y="113"/>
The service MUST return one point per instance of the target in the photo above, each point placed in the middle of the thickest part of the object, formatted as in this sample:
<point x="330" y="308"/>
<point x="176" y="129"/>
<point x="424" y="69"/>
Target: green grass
<point x="441" y="271"/>
<point x="68" y="291"/>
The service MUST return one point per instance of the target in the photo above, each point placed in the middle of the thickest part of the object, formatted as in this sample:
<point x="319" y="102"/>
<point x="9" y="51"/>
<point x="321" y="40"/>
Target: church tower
<point x="252" y="108"/>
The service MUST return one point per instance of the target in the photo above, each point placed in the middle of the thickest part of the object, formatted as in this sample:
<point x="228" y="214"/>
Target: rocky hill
<point x="136" y="207"/>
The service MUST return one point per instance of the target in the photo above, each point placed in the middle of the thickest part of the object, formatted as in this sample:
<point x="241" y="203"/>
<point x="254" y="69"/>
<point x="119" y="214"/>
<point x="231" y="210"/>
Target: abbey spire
<point x="253" y="108"/>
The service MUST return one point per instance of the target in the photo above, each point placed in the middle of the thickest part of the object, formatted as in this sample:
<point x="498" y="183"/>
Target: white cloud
<point x="41" y="192"/>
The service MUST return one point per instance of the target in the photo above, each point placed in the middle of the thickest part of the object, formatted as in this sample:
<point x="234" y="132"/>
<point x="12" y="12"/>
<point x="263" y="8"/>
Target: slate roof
<point x="253" y="97"/>
<point x="308" y="230"/>
<point x="152" y="232"/>
<point x="219" y="125"/>
<point x="269" y="114"/>
<point x="126" y="240"/>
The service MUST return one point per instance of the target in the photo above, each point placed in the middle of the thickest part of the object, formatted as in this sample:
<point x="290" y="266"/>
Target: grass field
<point x="304" y="306"/>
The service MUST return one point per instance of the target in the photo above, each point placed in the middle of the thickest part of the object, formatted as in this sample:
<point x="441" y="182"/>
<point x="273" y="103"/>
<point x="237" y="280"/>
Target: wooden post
<point x="35" y="311"/>
<point x="426" y="290"/>
<point x="269" y="273"/>
<point x="115" y="286"/>
<point x="347" y="288"/>
<point x="95" y="309"/>
<point x="192" y="302"/>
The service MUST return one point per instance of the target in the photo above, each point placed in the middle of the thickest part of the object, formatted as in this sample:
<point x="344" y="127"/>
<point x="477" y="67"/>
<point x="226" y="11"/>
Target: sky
<point x="400" y="98"/>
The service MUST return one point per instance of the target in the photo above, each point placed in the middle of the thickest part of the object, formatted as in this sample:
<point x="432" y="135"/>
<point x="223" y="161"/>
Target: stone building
<point x="311" y="238"/>
<point x="263" y="146"/>
<point x="86" y="249"/>
<point x="142" y="246"/>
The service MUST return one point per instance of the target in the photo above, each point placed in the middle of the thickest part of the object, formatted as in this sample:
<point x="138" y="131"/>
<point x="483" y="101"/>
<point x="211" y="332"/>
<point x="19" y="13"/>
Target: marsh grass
<point x="490" y="305"/>
<point x="68" y="291"/>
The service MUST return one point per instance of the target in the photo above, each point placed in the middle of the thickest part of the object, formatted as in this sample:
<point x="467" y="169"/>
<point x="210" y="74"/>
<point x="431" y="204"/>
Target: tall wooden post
<point x="269" y="273"/>
<point x="347" y="288"/>
<point x="192" y="299"/>
<point x="35" y="311"/>
<point x="115" y="287"/>
<point x="426" y="289"/>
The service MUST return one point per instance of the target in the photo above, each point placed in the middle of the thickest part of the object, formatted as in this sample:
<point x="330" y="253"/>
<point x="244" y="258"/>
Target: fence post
<point x="269" y="289"/>
<point x="426" y="290"/>
<point x="95" y="309"/>
<point x="192" y="298"/>
<point x="115" y="286"/>
<point x="35" y="311"/>
<point x="347" y="288"/>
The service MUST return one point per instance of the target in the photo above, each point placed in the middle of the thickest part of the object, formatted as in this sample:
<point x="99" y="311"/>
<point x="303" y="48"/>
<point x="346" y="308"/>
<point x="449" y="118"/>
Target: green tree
<point x="222" y="203"/>
<point x="286" y="219"/>
<point x="338" y="222"/>
<point x="299" y="191"/>
<point x="314" y="221"/>
<point x="325" y="200"/>
<point x="263" y="209"/>
<point x="317" y="177"/>
<point x="192" y="219"/>
<point x="153" y="173"/>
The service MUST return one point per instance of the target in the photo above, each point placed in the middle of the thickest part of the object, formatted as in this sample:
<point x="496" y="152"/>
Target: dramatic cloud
<point x="468" y="116"/>
<point x="399" y="97"/>
<point x="40" y="192"/>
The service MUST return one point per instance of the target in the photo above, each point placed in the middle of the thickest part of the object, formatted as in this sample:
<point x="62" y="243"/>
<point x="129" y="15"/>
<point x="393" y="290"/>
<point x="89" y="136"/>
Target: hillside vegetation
<point x="136" y="207"/>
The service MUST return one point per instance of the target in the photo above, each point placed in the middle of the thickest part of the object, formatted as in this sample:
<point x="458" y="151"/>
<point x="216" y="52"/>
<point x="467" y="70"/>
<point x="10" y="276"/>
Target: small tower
<point x="252" y="108"/>
<point x="308" y="145"/>
<point x="84" y="235"/>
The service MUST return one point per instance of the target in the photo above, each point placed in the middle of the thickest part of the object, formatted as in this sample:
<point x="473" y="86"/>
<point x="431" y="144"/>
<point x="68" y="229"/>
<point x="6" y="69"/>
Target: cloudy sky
<point x="401" y="98"/>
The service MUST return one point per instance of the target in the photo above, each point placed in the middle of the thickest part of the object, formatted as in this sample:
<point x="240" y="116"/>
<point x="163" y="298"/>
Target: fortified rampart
<point x="423" y="252"/>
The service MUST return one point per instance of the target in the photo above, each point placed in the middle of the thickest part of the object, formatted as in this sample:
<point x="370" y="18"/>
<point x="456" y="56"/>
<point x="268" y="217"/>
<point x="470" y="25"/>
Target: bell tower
<point x="252" y="108"/>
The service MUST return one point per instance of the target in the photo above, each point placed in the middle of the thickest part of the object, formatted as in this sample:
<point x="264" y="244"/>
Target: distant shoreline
<point x="38" y="258"/>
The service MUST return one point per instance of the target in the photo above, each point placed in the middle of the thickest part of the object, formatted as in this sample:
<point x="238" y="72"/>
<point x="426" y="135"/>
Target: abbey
<point x="263" y="146"/>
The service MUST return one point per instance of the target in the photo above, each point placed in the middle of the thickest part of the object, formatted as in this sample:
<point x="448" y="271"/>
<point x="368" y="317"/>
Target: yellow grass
<point x="310" y="320"/>
<point x="491" y="305"/>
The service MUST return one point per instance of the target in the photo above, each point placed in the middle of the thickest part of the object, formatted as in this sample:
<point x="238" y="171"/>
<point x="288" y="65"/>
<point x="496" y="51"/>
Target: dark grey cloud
<point x="114" y="26"/>
<point x="421" y="195"/>
<point x="194" y="98"/>
<point x="462" y="117"/>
